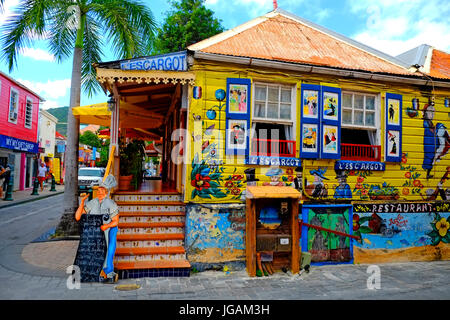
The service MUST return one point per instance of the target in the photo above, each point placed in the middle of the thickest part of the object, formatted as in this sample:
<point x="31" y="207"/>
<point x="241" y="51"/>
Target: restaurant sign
<point x="18" y="144"/>
<point x="167" y="62"/>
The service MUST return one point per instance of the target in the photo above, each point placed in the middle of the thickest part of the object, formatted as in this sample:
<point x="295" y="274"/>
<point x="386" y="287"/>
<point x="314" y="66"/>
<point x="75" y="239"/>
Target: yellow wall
<point x="227" y="179"/>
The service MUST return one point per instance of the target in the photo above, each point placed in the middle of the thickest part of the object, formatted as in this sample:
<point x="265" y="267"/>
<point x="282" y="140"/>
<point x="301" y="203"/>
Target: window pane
<point x="347" y="116"/>
<point x="286" y="95"/>
<point x="347" y="100"/>
<point x="359" y="117"/>
<point x="370" y="119"/>
<point x="272" y="110"/>
<point x="260" y="93"/>
<point x="370" y="103"/>
<point x="359" y="101"/>
<point x="260" y="109"/>
<point x="273" y="94"/>
<point x="285" y="111"/>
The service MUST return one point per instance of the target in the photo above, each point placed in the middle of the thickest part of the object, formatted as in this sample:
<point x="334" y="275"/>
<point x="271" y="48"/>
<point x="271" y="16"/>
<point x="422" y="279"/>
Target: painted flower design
<point x="229" y="184"/>
<point x="442" y="226"/>
<point x="201" y="182"/>
<point x="408" y="175"/>
<point x="237" y="177"/>
<point x="360" y="179"/>
<point x="355" y="222"/>
<point x="289" y="171"/>
<point x="235" y="191"/>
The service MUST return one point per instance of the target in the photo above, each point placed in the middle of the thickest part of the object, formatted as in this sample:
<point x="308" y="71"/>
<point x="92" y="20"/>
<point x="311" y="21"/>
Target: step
<point x="148" y="251"/>
<point x="150" y="208"/>
<point x="152" y="264"/>
<point x="148" y="198"/>
<point x="150" y="244"/>
<point x="150" y="203"/>
<point x="159" y="230"/>
<point x="150" y="236"/>
<point x="151" y="213"/>
<point x="125" y="225"/>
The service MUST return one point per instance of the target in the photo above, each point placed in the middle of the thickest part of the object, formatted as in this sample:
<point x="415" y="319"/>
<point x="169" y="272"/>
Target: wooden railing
<point x="360" y="152"/>
<point x="273" y="148"/>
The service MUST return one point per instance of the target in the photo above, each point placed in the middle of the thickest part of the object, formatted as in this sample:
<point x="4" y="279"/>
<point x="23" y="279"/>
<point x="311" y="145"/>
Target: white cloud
<point x="8" y="7"/>
<point x="397" y="26"/>
<point x="52" y="90"/>
<point x="37" y="54"/>
<point x="47" y="104"/>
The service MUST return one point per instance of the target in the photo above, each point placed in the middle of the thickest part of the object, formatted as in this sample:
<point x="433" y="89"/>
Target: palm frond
<point x="91" y="53"/>
<point x="129" y="26"/>
<point x="61" y="35"/>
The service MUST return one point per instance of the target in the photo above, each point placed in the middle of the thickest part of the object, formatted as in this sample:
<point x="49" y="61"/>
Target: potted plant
<point x="131" y="158"/>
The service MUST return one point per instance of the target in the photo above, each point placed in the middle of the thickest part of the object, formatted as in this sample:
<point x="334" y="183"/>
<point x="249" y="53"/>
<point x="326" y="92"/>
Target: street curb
<point x="14" y="203"/>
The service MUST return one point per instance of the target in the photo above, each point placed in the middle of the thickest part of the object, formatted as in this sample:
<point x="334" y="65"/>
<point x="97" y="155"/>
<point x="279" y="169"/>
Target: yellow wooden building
<point x="280" y="101"/>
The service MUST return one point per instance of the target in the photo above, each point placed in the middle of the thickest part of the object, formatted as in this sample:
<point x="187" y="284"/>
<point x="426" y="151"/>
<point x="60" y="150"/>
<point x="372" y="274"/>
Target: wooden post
<point x="250" y="237"/>
<point x="295" y="257"/>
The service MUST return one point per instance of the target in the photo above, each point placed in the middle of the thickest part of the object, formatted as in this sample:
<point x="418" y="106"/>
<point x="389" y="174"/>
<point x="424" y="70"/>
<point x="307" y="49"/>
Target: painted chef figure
<point x="105" y="206"/>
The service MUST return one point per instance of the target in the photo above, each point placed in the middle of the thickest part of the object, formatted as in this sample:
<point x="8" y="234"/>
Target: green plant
<point x="132" y="156"/>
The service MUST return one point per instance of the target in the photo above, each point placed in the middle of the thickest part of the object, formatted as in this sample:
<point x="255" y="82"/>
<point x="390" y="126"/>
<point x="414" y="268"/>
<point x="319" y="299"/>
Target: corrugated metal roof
<point x="283" y="37"/>
<point x="440" y="64"/>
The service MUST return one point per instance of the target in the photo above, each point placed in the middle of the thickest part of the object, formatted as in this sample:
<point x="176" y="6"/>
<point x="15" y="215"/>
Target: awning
<point x="93" y="114"/>
<point x="130" y="116"/>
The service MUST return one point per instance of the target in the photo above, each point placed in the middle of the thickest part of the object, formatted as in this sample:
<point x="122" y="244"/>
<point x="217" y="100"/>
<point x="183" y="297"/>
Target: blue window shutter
<point x="244" y="116"/>
<point x="330" y="112"/>
<point x="310" y="121"/>
<point x="393" y="134"/>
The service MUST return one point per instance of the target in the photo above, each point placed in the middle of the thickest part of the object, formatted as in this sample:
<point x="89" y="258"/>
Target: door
<point x="325" y="246"/>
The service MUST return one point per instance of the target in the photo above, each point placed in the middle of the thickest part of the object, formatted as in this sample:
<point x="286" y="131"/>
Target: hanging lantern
<point x="111" y="103"/>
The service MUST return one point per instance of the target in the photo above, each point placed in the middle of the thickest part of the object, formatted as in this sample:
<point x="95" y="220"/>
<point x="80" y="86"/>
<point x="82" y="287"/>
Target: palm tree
<point x="78" y="27"/>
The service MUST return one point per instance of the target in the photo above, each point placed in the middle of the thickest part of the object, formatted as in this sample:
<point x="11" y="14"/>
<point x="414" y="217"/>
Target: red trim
<point x="264" y="147"/>
<point x="360" y="152"/>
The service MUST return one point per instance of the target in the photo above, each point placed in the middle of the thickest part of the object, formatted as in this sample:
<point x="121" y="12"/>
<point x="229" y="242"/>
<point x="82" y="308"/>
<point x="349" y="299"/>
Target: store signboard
<point x="167" y="62"/>
<point x="18" y="144"/>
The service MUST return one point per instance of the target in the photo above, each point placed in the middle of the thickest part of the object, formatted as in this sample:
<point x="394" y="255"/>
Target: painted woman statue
<point x="99" y="219"/>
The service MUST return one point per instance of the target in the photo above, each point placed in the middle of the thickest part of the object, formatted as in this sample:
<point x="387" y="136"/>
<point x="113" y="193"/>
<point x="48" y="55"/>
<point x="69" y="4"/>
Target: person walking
<point x="42" y="175"/>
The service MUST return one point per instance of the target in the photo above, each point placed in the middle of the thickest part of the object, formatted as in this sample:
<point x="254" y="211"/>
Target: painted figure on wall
<point x="436" y="140"/>
<point x="298" y="180"/>
<point x="104" y="207"/>
<point x="343" y="190"/>
<point x="275" y="175"/>
<point x="317" y="189"/>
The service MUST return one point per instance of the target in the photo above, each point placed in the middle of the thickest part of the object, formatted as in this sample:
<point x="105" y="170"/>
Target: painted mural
<point x="418" y="169"/>
<point x="401" y="232"/>
<point x="215" y="234"/>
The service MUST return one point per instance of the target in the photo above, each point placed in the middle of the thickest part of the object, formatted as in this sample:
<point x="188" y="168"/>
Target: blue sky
<point x="392" y="26"/>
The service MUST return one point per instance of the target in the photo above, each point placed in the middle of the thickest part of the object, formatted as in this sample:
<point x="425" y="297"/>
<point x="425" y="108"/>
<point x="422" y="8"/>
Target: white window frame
<point x="29" y="99"/>
<point x="377" y="112"/>
<point x="279" y="86"/>
<point x="9" y="105"/>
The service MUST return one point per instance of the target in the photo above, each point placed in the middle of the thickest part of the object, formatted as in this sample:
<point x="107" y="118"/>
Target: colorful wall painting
<point x="310" y="104"/>
<point x="237" y="134"/>
<point x="396" y="232"/>
<point x="238" y="96"/>
<point x="393" y="112"/>
<point x="343" y="190"/>
<point x="325" y="246"/>
<point x="317" y="189"/>
<point x="393" y="144"/>
<point x="330" y="138"/>
<point x="309" y="138"/>
<point x="436" y="139"/>
<point x="330" y="106"/>
<point x="215" y="234"/>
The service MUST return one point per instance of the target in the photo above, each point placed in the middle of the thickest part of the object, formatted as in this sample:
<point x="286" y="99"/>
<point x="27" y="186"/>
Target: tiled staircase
<point x="150" y="241"/>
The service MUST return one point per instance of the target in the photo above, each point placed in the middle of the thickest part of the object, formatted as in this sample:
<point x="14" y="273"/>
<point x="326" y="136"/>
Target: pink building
<point x="19" y="118"/>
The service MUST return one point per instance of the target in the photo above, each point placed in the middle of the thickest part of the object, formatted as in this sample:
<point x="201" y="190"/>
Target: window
<point x="29" y="113"/>
<point x="273" y="120"/>
<point x="360" y="127"/>
<point x="13" y="105"/>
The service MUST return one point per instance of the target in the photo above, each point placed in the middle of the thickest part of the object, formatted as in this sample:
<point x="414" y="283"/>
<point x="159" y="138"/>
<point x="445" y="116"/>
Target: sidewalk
<point x="25" y="195"/>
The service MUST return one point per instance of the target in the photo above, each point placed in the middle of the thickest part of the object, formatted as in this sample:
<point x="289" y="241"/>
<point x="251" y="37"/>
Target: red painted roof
<point x="440" y="64"/>
<point x="59" y="136"/>
<point x="280" y="37"/>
